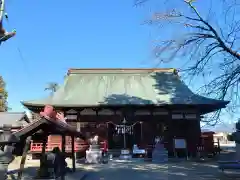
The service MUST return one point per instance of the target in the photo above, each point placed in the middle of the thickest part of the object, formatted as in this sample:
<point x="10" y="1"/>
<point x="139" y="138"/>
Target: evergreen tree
<point x="3" y="96"/>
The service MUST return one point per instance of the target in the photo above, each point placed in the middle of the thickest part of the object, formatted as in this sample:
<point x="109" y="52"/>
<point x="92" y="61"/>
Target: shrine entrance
<point x="120" y="135"/>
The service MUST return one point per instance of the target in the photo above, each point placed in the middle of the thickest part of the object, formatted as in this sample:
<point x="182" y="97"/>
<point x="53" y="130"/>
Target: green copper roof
<point x="92" y="87"/>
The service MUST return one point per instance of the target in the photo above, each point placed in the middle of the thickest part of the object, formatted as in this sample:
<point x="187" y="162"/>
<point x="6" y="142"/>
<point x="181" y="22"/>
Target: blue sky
<point x="53" y="36"/>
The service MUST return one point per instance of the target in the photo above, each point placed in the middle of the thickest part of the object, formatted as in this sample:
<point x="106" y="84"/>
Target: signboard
<point x="180" y="144"/>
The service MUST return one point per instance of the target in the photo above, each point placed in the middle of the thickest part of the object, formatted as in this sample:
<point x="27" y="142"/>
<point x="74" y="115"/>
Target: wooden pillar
<point x="97" y="114"/>
<point x="78" y="122"/>
<point x="73" y="155"/>
<point x="78" y="126"/>
<point x="106" y="129"/>
<point x="63" y="153"/>
<point x="44" y="146"/>
<point x="24" y="156"/>
<point x="170" y="133"/>
<point x="141" y="124"/>
<point x="43" y="154"/>
<point x="63" y="148"/>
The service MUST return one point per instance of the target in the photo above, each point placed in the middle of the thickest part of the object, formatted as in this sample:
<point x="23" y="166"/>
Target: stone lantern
<point x="6" y="137"/>
<point x="7" y="141"/>
<point x="236" y="138"/>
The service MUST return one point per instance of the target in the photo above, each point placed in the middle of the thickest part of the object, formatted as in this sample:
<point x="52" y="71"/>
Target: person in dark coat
<point x="60" y="164"/>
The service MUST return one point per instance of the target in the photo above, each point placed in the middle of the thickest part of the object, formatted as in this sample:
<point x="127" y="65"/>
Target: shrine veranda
<point x="153" y="102"/>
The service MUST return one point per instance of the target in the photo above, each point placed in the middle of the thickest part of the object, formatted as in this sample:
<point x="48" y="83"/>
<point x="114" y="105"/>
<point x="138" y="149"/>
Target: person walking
<point x="60" y="164"/>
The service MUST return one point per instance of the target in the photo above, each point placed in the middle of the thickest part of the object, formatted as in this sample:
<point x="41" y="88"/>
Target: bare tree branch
<point x="209" y="50"/>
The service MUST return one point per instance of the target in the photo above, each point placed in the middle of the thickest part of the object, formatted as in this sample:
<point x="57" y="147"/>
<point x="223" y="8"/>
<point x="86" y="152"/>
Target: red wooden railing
<point x="79" y="146"/>
<point x="37" y="147"/>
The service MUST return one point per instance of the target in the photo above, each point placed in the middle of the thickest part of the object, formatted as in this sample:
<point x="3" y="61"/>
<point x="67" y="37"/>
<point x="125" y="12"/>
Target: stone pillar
<point x="6" y="158"/>
<point x="237" y="151"/>
<point x="236" y="138"/>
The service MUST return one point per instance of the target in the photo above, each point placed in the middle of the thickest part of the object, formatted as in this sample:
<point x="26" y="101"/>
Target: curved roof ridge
<point x="119" y="70"/>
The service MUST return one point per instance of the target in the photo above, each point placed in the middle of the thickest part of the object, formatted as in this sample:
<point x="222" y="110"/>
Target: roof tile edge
<point x="7" y="112"/>
<point x="119" y="70"/>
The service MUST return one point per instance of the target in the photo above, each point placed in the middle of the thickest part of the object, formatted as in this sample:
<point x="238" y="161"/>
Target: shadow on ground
<point x="30" y="173"/>
<point x="172" y="171"/>
<point x="141" y="171"/>
<point x="122" y="170"/>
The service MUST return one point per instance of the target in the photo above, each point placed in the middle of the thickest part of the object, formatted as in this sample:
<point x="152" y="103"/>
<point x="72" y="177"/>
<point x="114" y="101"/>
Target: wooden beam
<point x="43" y="155"/>
<point x="45" y="139"/>
<point x="24" y="156"/>
<point x="141" y="126"/>
<point x="63" y="144"/>
<point x="78" y="122"/>
<point x="73" y="155"/>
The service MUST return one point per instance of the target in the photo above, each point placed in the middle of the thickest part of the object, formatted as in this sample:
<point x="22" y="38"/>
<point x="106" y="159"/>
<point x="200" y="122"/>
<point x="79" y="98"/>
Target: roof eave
<point x="221" y="104"/>
<point x="27" y="104"/>
<point x="214" y="107"/>
<point x="35" y="126"/>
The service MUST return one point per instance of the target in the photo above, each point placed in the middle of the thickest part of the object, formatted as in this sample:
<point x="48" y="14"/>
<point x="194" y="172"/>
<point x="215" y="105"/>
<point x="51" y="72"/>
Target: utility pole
<point x="4" y="35"/>
<point x="2" y="3"/>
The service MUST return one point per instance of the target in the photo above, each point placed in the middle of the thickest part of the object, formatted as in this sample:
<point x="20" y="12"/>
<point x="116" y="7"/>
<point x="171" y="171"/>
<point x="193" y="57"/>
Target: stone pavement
<point x="118" y="170"/>
<point x="30" y="170"/>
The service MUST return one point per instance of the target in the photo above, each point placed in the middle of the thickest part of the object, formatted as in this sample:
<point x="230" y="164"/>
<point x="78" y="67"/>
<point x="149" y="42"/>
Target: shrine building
<point x="13" y="120"/>
<point x="152" y="102"/>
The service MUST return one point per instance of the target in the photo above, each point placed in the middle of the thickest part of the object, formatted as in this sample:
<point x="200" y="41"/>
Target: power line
<point x="24" y="62"/>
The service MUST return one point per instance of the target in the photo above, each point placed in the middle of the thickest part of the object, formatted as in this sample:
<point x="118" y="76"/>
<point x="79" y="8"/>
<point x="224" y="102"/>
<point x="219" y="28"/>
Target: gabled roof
<point x="15" y="119"/>
<point x="93" y="87"/>
<point x="48" y="126"/>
